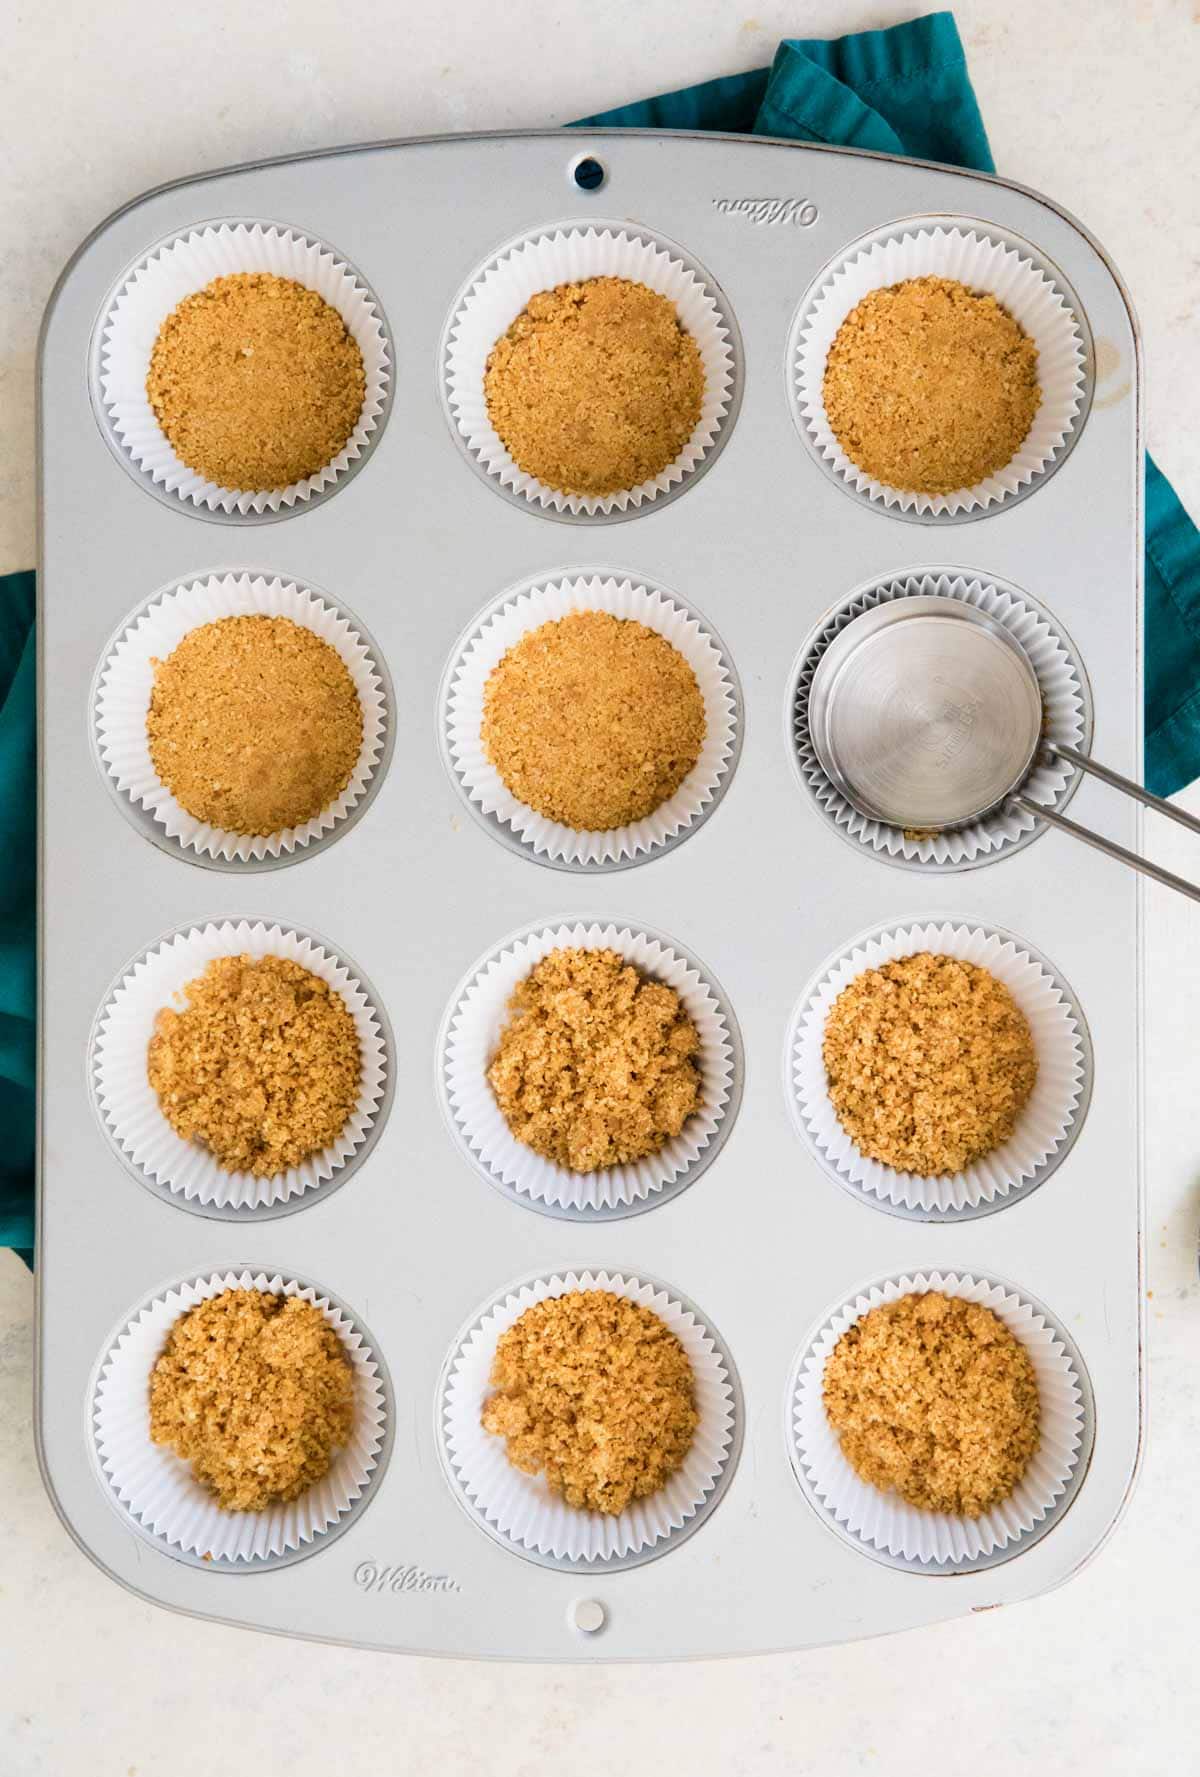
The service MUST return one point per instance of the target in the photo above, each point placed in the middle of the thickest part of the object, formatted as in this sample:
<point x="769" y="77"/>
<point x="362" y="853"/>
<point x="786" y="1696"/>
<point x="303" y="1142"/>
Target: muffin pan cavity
<point x="151" y="289"/>
<point x="742" y="875"/>
<point x="899" y="1535"/>
<point x="518" y="1510"/>
<point x="986" y="261"/>
<point x="501" y="627"/>
<point x="570" y="253"/>
<point x="157" y="1490"/>
<point x="125" y="681"/>
<point x="1067" y="718"/>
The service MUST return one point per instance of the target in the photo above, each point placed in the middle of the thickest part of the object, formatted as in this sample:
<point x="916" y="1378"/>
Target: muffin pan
<point x="766" y="886"/>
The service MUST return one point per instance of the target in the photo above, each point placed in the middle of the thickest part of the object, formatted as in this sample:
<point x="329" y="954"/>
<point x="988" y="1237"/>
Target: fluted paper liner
<point x="1066" y="720"/>
<point x="1046" y="1121"/>
<point x="544" y="603"/>
<point x="129" y="1105"/>
<point x="1027" y="293"/>
<point x="567" y="256"/>
<point x="883" y="1520"/>
<point x="127" y="681"/>
<point x="521" y="1507"/>
<point x="158" y="1487"/>
<point x="180" y="268"/>
<point x="473" y="1035"/>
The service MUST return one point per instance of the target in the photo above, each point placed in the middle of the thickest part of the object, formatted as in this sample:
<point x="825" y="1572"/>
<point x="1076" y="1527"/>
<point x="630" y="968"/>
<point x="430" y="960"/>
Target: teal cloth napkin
<point x="901" y="91"/>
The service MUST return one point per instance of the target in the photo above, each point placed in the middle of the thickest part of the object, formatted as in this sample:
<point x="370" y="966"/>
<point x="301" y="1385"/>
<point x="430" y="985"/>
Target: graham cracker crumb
<point x="929" y="1062"/>
<point x="596" y="386"/>
<point x="256" y="381"/>
<point x="262" y="1066"/>
<point x="593" y="720"/>
<point x="934" y="1399"/>
<point x="595" y="1392"/>
<point x="931" y="387"/>
<point x="596" y="1067"/>
<point x="254" y="724"/>
<point x="257" y="1393"/>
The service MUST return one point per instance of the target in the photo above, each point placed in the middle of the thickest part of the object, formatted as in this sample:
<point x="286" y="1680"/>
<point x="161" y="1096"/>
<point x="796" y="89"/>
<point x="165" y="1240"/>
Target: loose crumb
<point x="596" y="1067"/>
<point x="595" y="1392"/>
<point x="257" y="1393"/>
<point x="929" y="1063"/>
<point x="593" y="720"/>
<point x="596" y="386"/>
<point x="934" y="1399"/>
<point x="254" y="724"/>
<point x="931" y="387"/>
<point x="262" y="1066"/>
<point x="256" y="381"/>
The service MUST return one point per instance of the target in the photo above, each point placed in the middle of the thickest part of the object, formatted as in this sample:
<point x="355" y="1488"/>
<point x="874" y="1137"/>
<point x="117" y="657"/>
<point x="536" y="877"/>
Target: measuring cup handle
<point x="1110" y="848"/>
<point x="1126" y="784"/>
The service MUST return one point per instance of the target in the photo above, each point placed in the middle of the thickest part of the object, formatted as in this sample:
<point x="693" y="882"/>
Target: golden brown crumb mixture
<point x="254" y="724"/>
<point x="256" y="381"/>
<point x="929" y="1063"/>
<point x="257" y="1393"/>
<point x="262" y="1066"/>
<point x="596" y="1067"/>
<point x="934" y="1399"/>
<point x="595" y="1392"/>
<point x="596" y="386"/>
<point x="593" y="720"/>
<point x="930" y="387"/>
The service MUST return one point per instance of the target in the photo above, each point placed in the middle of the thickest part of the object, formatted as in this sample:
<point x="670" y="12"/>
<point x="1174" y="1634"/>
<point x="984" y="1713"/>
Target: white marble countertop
<point x="1097" y="106"/>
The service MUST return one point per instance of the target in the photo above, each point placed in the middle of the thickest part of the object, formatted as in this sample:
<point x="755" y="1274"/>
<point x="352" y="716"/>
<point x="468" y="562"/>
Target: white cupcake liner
<point x="127" y="679"/>
<point x="520" y="1509"/>
<point x="181" y="267"/>
<point x="969" y="256"/>
<point x="158" y="1488"/>
<point x="497" y="294"/>
<point x="129" y="1105"/>
<point x="938" y="1541"/>
<point x="1065" y="701"/>
<point x="471" y="1034"/>
<point x="1048" y="1123"/>
<point x="545" y="602"/>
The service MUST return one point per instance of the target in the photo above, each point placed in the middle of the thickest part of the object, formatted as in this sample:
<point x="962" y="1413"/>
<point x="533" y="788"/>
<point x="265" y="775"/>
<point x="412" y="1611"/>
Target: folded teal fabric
<point x="901" y="91"/>
<point x="18" y="900"/>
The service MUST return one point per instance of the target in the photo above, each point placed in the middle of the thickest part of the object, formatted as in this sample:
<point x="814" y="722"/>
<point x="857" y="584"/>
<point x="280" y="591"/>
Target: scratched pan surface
<point x="416" y="1241"/>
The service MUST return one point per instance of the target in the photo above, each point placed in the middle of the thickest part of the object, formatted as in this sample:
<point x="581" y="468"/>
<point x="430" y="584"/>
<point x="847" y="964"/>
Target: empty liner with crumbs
<point x="262" y="1065"/>
<point x="929" y="1062"/>
<point x="254" y="724"/>
<point x="593" y="720"/>
<point x="933" y="1398"/>
<point x="256" y="1392"/>
<point x="596" y="387"/>
<point x="256" y="381"/>
<point x="597" y="1065"/>
<point x="930" y="387"/>
<point x="596" y="1393"/>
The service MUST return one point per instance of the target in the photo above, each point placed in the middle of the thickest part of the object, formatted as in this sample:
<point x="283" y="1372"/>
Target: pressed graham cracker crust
<point x="929" y="1063"/>
<point x="596" y="386"/>
<point x="262" y="1066"/>
<point x="254" y="724"/>
<point x="256" y="381"/>
<point x="596" y="1393"/>
<point x="593" y="720"/>
<point x="254" y="1390"/>
<point x="934" y="1399"/>
<point x="596" y="1066"/>
<point x="931" y="387"/>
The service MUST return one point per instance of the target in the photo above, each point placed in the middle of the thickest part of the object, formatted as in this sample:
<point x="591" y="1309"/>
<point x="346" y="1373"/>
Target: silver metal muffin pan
<point x="768" y="548"/>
